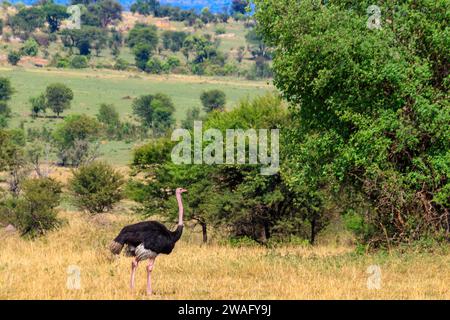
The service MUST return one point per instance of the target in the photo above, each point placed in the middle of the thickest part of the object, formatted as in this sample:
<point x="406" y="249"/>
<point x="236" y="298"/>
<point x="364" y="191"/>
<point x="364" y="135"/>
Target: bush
<point x="121" y="64"/>
<point x="213" y="100"/>
<point x="154" y="66"/>
<point x="30" y="48"/>
<point x="33" y="212"/>
<point x="62" y="63"/>
<point x="171" y="63"/>
<point x="220" y="30"/>
<point x="96" y="187"/>
<point x="14" y="57"/>
<point x="73" y="139"/>
<point x="79" y="62"/>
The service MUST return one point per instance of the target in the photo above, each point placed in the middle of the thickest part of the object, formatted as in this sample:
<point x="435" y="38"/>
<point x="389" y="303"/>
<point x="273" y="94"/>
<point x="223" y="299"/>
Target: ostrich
<point x="145" y="240"/>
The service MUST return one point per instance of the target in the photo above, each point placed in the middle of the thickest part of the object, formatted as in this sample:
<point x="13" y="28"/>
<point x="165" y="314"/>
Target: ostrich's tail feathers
<point x="115" y="247"/>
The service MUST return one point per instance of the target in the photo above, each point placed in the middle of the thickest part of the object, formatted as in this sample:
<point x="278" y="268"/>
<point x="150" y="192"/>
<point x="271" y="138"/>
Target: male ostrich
<point x="145" y="240"/>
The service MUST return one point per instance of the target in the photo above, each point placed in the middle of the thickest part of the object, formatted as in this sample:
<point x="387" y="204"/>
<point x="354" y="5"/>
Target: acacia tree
<point x="371" y="111"/>
<point x="58" y="97"/>
<point x="74" y="140"/>
<point x="155" y="112"/>
<point x="213" y="100"/>
<point x="54" y="14"/>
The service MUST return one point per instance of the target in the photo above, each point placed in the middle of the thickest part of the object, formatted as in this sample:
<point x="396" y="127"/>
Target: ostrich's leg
<point x="134" y="265"/>
<point x="151" y="262"/>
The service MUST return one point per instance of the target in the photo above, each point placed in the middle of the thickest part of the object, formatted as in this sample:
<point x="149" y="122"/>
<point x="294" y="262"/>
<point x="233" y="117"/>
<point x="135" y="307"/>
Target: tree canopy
<point x="371" y="110"/>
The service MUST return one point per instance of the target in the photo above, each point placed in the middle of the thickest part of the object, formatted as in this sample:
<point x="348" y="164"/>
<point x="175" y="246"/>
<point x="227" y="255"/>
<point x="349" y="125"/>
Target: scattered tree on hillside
<point x="213" y="100"/>
<point x="155" y="112"/>
<point x="58" y="97"/>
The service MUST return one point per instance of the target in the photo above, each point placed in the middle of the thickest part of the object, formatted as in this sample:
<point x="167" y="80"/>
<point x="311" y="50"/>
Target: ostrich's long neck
<point x="176" y="235"/>
<point x="180" y="210"/>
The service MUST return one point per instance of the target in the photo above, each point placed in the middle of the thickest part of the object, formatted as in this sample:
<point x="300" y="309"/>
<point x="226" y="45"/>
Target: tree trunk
<point x="204" y="232"/>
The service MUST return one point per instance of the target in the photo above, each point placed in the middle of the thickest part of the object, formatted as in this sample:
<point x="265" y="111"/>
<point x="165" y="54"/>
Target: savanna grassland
<point x="359" y="208"/>
<point x="93" y="87"/>
<point x="39" y="269"/>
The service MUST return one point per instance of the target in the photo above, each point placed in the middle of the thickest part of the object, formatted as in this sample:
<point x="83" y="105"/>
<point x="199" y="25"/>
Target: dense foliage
<point x="371" y="116"/>
<point x="96" y="187"/>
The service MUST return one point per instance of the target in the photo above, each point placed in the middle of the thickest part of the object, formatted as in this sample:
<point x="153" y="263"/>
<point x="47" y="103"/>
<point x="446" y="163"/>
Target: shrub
<point x="14" y="57"/>
<point x="62" y="63"/>
<point x="5" y="110"/>
<point x="121" y="64"/>
<point x="220" y="30"/>
<point x="79" y="62"/>
<point x="33" y="212"/>
<point x="171" y="63"/>
<point x="96" y="187"/>
<point x="213" y="100"/>
<point x="154" y="65"/>
<point x="73" y="139"/>
<point x="30" y="48"/>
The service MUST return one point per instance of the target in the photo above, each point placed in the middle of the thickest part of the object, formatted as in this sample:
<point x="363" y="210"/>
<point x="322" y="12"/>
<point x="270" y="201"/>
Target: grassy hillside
<point x="93" y="87"/>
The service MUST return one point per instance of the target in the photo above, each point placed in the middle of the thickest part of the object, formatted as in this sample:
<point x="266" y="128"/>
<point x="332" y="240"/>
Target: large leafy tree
<point x="54" y="14"/>
<point x="154" y="111"/>
<point x="143" y="34"/>
<point x="145" y="7"/>
<point x="232" y="195"/>
<point x="27" y="20"/>
<point x="84" y="39"/>
<point x="371" y="110"/>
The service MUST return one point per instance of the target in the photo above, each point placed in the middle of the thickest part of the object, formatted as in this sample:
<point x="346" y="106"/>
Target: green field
<point x="93" y="87"/>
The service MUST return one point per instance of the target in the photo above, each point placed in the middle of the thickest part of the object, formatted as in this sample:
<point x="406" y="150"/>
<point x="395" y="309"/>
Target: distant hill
<point x="198" y="5"/>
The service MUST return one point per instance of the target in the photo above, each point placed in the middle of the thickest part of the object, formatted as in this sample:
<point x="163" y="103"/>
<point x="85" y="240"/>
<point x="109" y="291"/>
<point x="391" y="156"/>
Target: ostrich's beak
<point x="184" y="190"/>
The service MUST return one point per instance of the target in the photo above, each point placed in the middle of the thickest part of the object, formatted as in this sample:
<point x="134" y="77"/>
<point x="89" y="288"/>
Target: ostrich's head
<point x="180" y="190"/>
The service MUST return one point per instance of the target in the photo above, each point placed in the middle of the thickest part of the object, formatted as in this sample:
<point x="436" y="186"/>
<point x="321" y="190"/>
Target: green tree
<point x="142" y="53"/>
<point x="58" y="97"/>
<point x="54" y="14"/>
<point x="33" y="213"/>
<point x="109" y="117"/>
<point x="236" y="196"/>
<point x="371" y="112"/>
<point x="84" y="39"/>
<point x="30" y="48"/>
<point x="143" y="34"/>
<point x="145" y="7"/>
<point x="154" y="65"/>
<point x="173" y="40"/>
<point x="73" y="139"/>
<point x="213" y="100"/>
<point x="14" y="57"/>
<point x="6" y="91"/>
<point x="192" y="115"/>
<point x="154" y="111"/>
<point x="96" y="187"/>
<point x="79" y="62"/>
<point x="239" y="6"/>
<point x="26" y="21"/>
<point x="38" y="105"/>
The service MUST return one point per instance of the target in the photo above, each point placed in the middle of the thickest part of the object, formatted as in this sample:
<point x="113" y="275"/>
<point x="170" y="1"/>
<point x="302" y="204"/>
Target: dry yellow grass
<point x="38" y="269"/>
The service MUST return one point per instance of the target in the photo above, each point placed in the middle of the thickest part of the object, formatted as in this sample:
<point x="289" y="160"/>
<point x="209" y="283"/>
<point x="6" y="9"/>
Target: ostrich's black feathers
<point x="154" y="235"/>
